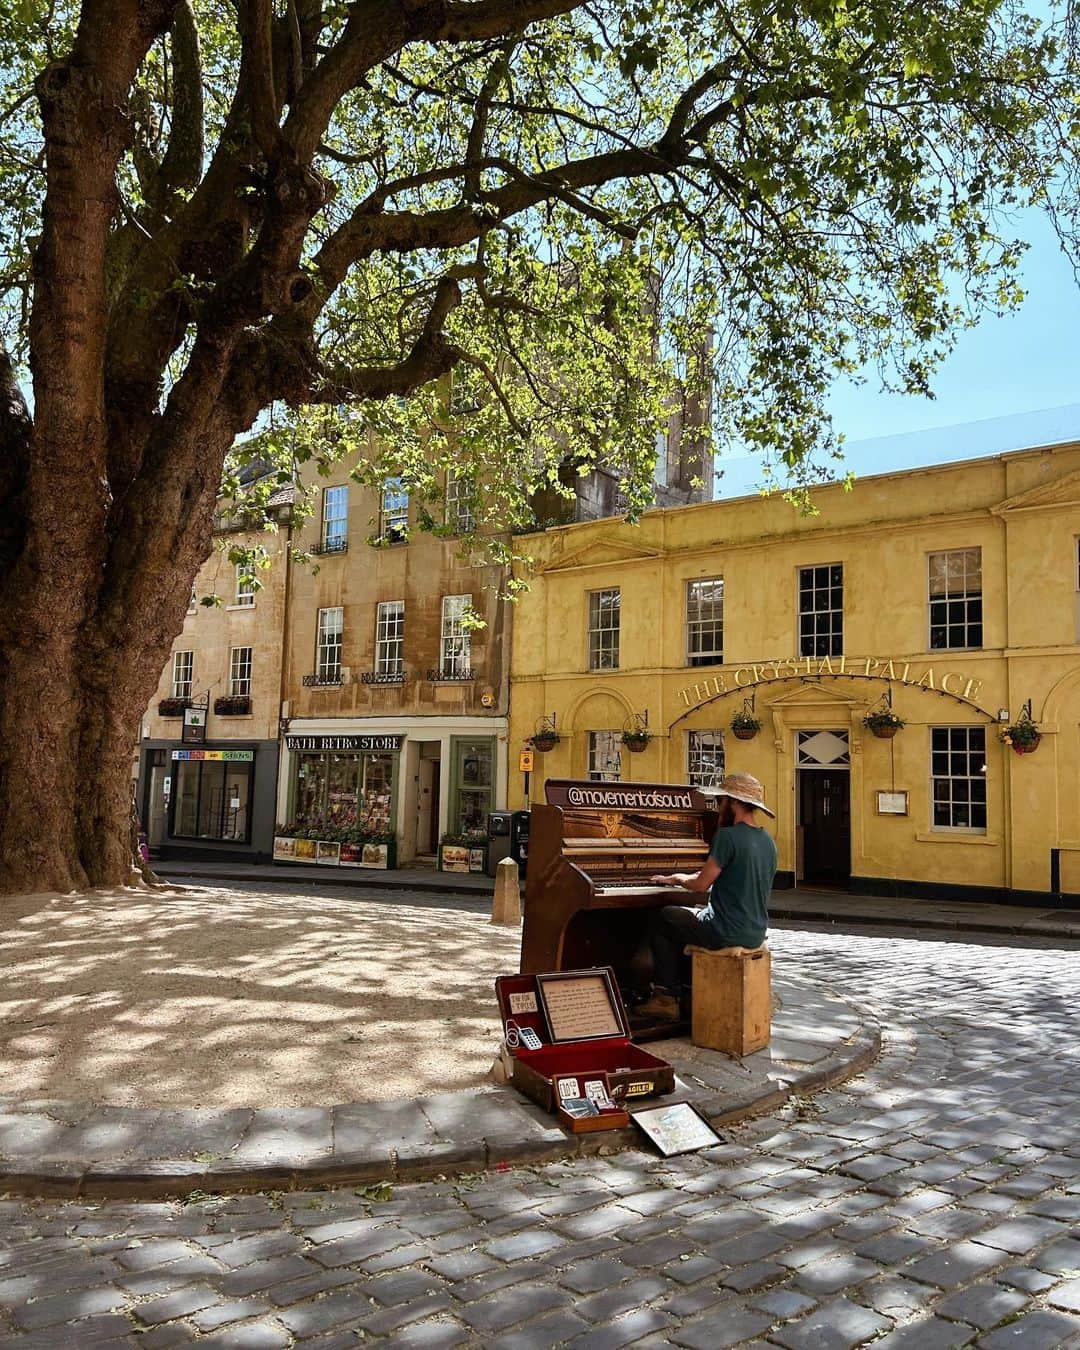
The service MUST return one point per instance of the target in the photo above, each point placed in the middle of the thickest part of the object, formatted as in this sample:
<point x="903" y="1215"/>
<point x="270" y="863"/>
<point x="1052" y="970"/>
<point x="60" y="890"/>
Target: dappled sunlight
<point x="206" y="996"/>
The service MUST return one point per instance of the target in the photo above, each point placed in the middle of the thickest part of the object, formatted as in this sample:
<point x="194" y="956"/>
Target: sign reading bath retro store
<point x="370" y="743"/>
<point x="917" y="674"/>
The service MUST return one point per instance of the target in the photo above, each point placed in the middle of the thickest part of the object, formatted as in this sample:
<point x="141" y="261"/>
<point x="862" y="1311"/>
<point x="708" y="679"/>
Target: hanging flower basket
<point x="745" y="726"/>
<point x="635" y="740"/>
<point x="545" y="740"/>
<point x="1023" y="736"/>
<point x="884" y="725"/>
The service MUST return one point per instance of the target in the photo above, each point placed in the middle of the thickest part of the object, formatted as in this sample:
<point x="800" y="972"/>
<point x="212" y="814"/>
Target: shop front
<point x="209" y="801"/>
<point x="383" y="798"/>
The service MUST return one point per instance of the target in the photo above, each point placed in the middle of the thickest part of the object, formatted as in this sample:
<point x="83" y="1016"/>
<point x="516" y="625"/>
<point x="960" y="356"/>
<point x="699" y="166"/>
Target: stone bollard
<point x="506" y="906"/>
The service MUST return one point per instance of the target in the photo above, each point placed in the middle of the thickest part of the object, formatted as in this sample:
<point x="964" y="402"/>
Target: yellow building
<point x="948" y="596"/>
<point x="395" y="707"/>
<point x="209" y="790"/>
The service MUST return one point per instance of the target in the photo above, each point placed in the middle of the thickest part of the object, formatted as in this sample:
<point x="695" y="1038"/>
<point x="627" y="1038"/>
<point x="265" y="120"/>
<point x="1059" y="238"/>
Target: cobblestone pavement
<point x="933" y="1202"/>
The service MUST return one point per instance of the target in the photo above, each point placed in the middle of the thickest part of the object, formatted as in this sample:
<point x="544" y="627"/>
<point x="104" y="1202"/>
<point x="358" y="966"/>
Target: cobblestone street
<point x="932" y="1202"/>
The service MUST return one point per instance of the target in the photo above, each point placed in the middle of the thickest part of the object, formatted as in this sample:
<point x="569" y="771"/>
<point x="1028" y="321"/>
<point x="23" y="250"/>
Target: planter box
<point x="232" y="705"/>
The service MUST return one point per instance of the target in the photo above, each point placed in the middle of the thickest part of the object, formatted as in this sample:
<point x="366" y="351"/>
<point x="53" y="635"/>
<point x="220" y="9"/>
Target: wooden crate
<point x="732" y="999"/>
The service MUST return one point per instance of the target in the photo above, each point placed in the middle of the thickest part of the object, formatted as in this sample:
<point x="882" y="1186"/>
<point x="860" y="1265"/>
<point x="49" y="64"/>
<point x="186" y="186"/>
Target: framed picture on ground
<point x="678" y="1128"/>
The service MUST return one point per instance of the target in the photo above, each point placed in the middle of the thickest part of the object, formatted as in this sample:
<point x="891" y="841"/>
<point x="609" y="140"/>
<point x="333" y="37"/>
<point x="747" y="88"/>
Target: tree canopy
<point x="485" y="235"/>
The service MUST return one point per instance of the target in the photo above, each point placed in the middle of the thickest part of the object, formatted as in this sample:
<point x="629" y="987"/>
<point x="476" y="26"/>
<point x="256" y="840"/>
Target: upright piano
<point x="592" y="848"/>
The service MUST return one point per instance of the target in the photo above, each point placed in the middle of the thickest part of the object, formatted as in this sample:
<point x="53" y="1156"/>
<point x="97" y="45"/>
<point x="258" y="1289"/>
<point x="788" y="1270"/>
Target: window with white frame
<point x="604" y="609"/>
<point x="605" y="756"/>
<point x="705" y="622"/>
<point x="958" y="777"/>
<point x="240" y="672"/>
<point x="328" y="646"/>
<point x="459" y="497"/>
<point x="455" y="655"/>
<point x="245" y="586"/>
<point x="183" y="674"/>
<point x="390" y="637"/>
<point x="704" y="758"/>
<point x="821" y="610"/>
<point x="955" y="586"/>
<point x="394" y="512"/>
<point x="335" y="520"/>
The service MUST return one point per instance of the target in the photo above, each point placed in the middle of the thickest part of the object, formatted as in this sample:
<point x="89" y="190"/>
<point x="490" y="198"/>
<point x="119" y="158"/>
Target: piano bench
<point x="731" y="998"/>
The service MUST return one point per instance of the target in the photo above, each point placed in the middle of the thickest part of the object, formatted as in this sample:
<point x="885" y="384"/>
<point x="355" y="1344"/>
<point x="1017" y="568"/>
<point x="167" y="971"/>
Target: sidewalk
<point x="800" y="905"/>
<point x="72" y="1149"/>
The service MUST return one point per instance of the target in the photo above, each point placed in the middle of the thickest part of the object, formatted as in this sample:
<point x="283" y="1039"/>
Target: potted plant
<point x="745" y="725"/>
<point x="547" y="739"/>
<point x="232" y="705"/>
<point x="173" y="707"/>
<point x="637" y="738"/>
<point x="464" y="851"/>
<point x="883" y="723"/>
<point x="1024" y="736"/>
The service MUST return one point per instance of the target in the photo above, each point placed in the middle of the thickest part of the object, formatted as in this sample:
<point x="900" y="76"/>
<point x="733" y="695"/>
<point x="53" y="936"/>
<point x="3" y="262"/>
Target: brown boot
<point x="663" y="1006"/>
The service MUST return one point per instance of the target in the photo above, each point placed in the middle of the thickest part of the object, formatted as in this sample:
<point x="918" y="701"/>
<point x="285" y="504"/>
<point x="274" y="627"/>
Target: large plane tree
<point x="218" y="215"/>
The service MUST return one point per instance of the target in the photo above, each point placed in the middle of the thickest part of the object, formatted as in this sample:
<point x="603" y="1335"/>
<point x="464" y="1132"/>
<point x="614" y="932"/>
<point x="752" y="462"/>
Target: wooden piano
<point x="592" y="849"/>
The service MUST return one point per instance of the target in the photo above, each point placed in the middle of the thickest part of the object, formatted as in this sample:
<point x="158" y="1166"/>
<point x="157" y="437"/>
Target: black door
<point x="825" y="817"/>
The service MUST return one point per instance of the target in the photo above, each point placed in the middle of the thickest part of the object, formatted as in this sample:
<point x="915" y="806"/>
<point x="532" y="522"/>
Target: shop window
<point x="604" y="616"/>
<point x="245" y="586"/>
<point x="605" y="756"/>
<point x="821" y="610"/>
<point x="704" y="758"/>
<point x="343" y="790"/>
<point x="455" y="646"/>
<point x="335" y="519"/>
<point x="390" y="637"/>
<point x="240" y="672"/>
<point x="459" y="497"/>
<point x="958" y="775"/>
<point x="473" y="778"/>
<point x="183" y="674"/>
<point x="956" y="618"/>
<point x="705" y="622"/>
<point x="328" y="646"/>
<point x="212" y="800"/>
<point x="394" y="512"/>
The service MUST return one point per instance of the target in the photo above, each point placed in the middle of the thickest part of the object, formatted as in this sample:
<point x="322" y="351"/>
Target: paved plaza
<point x="933" y="1201"/>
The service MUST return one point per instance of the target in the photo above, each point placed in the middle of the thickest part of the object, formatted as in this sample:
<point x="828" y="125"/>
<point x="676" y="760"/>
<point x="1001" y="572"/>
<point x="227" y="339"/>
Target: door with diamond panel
<point x="824" y="764"/>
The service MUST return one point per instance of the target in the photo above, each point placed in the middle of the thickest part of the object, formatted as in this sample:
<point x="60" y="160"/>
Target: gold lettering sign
<point x="950" y="682"/>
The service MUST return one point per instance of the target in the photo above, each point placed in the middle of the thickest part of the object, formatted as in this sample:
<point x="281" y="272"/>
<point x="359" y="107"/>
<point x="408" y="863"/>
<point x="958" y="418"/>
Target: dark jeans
<point x="671" y="930"/>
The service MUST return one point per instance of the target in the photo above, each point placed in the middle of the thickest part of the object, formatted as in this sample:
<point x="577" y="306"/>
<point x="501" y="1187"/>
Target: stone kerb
<point x="50" y="1147"/>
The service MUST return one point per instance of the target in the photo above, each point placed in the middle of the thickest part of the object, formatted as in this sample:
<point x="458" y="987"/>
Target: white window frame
<point x="329" y="628"/>
<point x="696" y="755"/>
<point x="245" y="589"/>
<point x="835" y="633"/>
<point x="183" y="674"/>
<point x="390" y="637"/>
<point x="455" y="640"/>
<point x="965" y="597"/>
<point x="967" y="798"/>
<point x="605" y="757"/>
<point x="603" y="636"/>
<point x="240" y="672"/>
<point x="699" y="628"/>
<point x="335" y="519"/>
<point x="393" y="512"/>
<point x="459" y="512"/>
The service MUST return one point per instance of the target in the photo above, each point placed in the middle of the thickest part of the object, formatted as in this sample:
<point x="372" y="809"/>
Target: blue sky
<point x="1010" y="383"/>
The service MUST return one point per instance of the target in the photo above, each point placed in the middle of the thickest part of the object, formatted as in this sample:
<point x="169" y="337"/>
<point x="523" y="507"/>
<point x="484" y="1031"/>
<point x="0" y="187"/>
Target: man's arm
<point x="691" y="881"/>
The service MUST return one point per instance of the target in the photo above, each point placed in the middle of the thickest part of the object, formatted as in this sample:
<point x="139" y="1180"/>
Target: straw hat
<point x="743" y="787"/>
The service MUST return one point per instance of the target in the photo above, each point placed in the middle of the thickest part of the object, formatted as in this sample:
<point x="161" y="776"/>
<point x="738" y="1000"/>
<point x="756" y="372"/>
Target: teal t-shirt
<point x="738" y="908"/>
